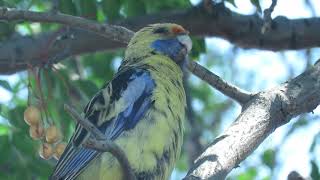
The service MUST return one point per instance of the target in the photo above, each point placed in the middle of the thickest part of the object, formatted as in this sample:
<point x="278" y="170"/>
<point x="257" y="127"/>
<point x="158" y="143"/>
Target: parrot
<point x="142" y="109"/>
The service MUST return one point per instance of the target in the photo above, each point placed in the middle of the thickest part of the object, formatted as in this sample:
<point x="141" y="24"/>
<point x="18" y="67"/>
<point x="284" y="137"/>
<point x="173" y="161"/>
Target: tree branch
<point x="116" y="151"/>
<point x="55" y="6"/>
<point x="242" y="30"/>
<point x="262" y="113"/>
<point x="216" y="82"/>
<point x="267" y="17"/>
<point x="116" y="33"/>
<point x="19" y="52"/>
<point x="265" y="112"/>
<point x="101" y="143"/>
<point x="294" y="175"/>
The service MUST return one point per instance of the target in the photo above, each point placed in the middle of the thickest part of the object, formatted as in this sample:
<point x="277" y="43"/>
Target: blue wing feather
<point x="135" y="86"/>
<point x="134" y="112"/>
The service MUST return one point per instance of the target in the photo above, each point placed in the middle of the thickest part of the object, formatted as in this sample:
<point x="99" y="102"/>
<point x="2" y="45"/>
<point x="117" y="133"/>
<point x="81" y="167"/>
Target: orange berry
<point x="45" y="151"/>
<point x="36" y="132"/>
<point x="59" y="150"/>
<point x="32" y="115"/>
<point x="52" y="134"/>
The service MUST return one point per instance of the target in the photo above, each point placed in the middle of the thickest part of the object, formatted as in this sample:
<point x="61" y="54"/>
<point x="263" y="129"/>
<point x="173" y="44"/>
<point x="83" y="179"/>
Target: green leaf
<point x="315" y="174"/>
<point x="88" y="87"/>
<point x="251" y="173"/>
<point x="101" y="16"/>
<point x="268" y="158"/>
<point x="232" y="2"/>
<point x="4" y="129"/>
<point x="198" y="46"/>
<point x="68" y="7"/>
<point x="266" y="178"/>
<point x="5" y="147"/>
<point x="298" y="124"/>
<point x="111" y="8"/>
<point x="202" y="92"/>
<point x="86" y="8"/>
<point x="99" y="66"/>
<point x="15" y="117"/>
<point x="165" y="5"/>
<point x="42" y="167"/>
<point x="314" y="142"/>
<point x="6" y="29"/>
<point x="256" y="3"/>
<point x="23" y="142"/>
<point x="5" y="85"/>
<point x="134" y="8"/>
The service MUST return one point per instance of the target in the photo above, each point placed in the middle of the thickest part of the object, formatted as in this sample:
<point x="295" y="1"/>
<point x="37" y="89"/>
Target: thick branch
<point x="17" y="53"/>
<point x="116" y="33"/>
<point x="242" y="30"/>
<point x="265" y="112"/>
<point x="100" y="143"/>
<point x="200" y="71"/>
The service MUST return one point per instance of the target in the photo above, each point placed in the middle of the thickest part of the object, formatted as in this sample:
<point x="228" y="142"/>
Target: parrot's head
<point x="166" y="39"/>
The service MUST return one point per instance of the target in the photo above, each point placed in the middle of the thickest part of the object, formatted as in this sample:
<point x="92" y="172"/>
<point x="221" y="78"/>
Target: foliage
<point x="76" y="79"/>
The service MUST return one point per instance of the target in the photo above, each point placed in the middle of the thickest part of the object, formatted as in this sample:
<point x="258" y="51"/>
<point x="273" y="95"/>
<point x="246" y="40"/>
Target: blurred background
<point x="292" y="147"/>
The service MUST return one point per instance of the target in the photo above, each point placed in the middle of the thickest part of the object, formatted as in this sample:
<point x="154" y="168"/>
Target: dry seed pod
<point x="60" y="147"/>
<point x="32" y="115"/>
<point x="45" y="151"/>
<point x="52" y="134"/>
<point x="36" y="132"/>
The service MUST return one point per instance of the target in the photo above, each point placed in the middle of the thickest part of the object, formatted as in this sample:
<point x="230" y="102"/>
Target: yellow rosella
<point x="142" y="110"/>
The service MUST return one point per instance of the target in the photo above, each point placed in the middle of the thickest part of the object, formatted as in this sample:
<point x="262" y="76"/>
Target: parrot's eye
<point x="161" y="30"/>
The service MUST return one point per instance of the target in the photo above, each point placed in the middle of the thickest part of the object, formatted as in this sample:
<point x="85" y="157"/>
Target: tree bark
<point x="260" y="116"/>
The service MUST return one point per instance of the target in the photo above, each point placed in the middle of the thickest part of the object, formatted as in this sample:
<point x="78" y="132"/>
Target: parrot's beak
<point x="185" y="41"/>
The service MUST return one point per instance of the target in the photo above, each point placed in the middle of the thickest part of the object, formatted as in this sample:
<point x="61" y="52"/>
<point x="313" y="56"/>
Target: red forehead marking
<point x="178" y="30"/>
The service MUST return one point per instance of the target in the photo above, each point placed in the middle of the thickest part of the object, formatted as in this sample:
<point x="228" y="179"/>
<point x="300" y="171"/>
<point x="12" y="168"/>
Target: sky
<point x="294" y="152"/>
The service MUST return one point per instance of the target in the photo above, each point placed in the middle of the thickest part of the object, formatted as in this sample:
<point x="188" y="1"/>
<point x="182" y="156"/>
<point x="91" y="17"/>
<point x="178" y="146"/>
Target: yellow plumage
<point x="142" y="110"/>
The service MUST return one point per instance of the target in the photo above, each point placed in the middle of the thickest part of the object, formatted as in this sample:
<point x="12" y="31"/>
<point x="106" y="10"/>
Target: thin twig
<point x="116" y="151"/>
<point x="116" y="33"/>
<point x="85" y="123"/>
<point x="101" y="143"/>
<point x="267" y="17"/>
<point x="311" y="7"/>
<point x="215" y="81"/>
<point x="55" y="6"/>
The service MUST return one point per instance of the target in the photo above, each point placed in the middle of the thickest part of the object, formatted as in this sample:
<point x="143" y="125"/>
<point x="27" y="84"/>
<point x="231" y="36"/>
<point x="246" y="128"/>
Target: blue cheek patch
<point x="169" y="47"/>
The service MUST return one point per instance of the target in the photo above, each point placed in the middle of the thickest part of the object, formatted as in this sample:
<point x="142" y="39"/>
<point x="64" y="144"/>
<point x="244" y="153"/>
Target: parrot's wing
<point x="116" y="108"/>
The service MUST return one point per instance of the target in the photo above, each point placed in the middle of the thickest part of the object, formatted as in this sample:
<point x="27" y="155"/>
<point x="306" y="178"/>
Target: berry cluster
<point x="51" y="144"/>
